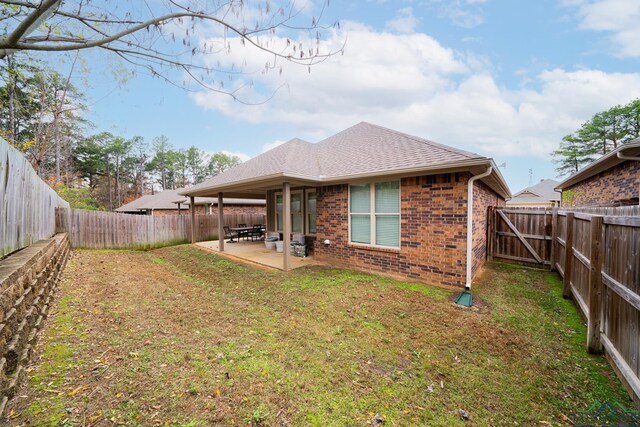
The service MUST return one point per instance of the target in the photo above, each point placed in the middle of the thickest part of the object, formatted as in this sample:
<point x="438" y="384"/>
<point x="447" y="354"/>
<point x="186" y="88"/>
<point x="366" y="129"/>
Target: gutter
<point x="623" y="157"/>
<point x="322" y="180"/>
<point x="470" y="183"/>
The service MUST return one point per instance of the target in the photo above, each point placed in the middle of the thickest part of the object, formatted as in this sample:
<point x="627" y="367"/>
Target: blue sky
<point x="503" y="78"/>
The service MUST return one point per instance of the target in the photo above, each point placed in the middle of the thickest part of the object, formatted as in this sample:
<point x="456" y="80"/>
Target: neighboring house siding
<point x="483" y="198"/>
<point x="433" y="231"/>
<point x="609" y="188"/>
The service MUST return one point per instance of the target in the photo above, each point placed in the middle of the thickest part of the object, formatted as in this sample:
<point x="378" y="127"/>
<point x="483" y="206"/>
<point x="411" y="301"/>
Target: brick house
<point x="374" y="199"/>
<point x="612" y="180"/>
<point x="169" y="202"/>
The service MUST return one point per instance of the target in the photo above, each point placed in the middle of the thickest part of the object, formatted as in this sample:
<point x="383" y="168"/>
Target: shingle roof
<point x="168" y="200"/>
<point x="539" y="193"/>
<point x="605" y="162"/>
<point x="367" y="148"/>
<point x="361" y="150"/>
<point x="293" y="157"/>
<point x="133" y="205"/>
<point x="163" y="200"/>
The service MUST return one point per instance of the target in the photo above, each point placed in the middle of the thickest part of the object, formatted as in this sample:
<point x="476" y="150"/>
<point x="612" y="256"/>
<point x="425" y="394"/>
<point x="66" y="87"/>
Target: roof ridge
<point x="528" y="190"/>
<point x="465" y="153"/>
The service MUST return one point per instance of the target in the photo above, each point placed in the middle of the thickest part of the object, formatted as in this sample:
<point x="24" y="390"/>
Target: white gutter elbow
<point x="470" y="183"/>
<point x="623" y="157"/>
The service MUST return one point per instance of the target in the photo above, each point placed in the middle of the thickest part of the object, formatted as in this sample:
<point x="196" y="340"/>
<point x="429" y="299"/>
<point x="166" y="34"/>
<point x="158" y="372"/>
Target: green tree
<point x="78" y="198"/>
<point x="220" y="162"/>
<point x="631" y="115"/>
<point x="161" y="162"/>
<point x="119" y="149"/>
<point x="572" y="154"/>
<point x="197" y="164"/>
<point x="605" y="131"/>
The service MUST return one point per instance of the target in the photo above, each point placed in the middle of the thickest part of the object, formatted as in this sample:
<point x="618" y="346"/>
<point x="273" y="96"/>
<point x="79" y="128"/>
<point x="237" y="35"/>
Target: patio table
<point x="240" y="231"/>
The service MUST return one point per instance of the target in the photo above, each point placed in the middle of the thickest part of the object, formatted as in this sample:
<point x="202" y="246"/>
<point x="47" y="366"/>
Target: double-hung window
<point x="375" y="213"/>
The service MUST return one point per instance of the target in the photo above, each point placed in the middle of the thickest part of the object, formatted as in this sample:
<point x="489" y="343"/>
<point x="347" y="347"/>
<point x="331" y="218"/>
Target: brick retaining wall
<point x="27" y="281"/>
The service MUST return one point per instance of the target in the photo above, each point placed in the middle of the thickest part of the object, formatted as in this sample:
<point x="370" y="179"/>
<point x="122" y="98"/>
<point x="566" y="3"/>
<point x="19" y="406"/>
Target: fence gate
<point x="523" y="235"/>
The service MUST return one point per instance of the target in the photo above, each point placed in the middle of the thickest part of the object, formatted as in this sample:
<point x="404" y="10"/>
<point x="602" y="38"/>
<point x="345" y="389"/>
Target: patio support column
<point x="220" y="224"/>
<point x="286" y="213"/>
<point x="179" y="212"/>
<point x="192" y="199"/>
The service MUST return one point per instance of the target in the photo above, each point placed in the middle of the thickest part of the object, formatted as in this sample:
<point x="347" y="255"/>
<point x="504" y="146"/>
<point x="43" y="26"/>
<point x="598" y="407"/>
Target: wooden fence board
<point x="597" y="253"/>
<point x="27" y="203"/>
<point x="101" y="230"/>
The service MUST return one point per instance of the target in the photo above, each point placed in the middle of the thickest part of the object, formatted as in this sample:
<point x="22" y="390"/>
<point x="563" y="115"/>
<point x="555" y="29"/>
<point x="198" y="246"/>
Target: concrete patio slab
<point x="256" y="253"/>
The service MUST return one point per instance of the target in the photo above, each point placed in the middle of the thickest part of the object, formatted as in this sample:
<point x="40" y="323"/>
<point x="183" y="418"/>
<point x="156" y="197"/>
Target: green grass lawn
<point x="181" y="337"/>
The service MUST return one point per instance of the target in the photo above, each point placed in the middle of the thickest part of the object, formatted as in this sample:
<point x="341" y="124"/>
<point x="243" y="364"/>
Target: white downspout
<point x="472" y="180"/>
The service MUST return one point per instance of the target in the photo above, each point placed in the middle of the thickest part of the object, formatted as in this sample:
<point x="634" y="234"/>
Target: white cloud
<point x="404" y="22"/>
<point x="414" y="84"/>
<point x="269" y="145"/>
<point x="244" y="157"/>
<point x="463" y="13"/>
<point x="618" y="18"/>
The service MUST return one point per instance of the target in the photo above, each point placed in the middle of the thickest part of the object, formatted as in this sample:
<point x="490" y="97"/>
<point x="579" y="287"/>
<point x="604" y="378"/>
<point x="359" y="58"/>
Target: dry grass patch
<point x="181" y="337"/>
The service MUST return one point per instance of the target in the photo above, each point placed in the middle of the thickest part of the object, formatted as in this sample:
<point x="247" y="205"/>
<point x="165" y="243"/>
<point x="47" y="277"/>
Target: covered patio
<point x="290" y="199"/>
<point x="256" y="253"/>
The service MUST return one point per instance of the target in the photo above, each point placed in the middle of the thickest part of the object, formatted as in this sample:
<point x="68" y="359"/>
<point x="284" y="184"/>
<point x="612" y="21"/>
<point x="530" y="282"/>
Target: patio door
<point x="297" y="211"/>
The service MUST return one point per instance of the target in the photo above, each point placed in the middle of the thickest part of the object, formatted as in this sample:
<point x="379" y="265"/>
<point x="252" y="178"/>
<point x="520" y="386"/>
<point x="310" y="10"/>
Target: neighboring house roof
<point x="542" y="192"/>
<point x="169" y="199"/>
<point x="133" y="205"/>
<point x="361" y="151"/>
<point x="609" y="160"/>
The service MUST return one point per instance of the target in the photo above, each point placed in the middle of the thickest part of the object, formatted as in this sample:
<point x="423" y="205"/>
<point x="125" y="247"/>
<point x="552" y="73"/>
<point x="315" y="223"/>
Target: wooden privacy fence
<point x="103" y="230"/>
<point x="27" y="203"/>
<point x="597" y="253"/>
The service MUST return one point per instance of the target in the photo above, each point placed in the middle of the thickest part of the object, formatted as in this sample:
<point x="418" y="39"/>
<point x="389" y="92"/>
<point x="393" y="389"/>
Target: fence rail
<point x="597" y="253"/>
<point x="109" y="230"/>
<point x="27" y="203"/>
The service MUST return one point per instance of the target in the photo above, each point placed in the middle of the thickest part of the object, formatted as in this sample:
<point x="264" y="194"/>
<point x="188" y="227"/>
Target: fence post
<point x="568" y="257"/>
<point x="193" y="218"/>
<point x="595" y="287"/>
<point x="220" y="223"/>
<point x="491" y="231"/>
<point x="554" y="238"/>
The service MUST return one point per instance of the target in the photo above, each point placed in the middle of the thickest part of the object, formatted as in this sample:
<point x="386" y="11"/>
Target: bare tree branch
<point x="149" y="42"/>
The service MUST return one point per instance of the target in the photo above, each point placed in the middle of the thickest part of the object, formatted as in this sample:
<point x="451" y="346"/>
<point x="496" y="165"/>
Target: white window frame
<point x="306" y="211"/>
<point x="302" y="210"/>
<point x="372" y="213"/>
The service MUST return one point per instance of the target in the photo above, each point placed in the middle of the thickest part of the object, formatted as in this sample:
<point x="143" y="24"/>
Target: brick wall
<point x="159" y="212"/>
<point x="27" y="281"/>
<point x="483" y="197"/>
<point x="609" y="188"/>
<point x="433" y="231"/>
<point x="241" y="210"/>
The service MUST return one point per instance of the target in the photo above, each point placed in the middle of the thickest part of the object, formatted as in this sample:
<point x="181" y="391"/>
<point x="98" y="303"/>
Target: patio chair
<point x="228" y="234"/>
<point x="244" y="233"/>
<point x="257" y="233"/>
